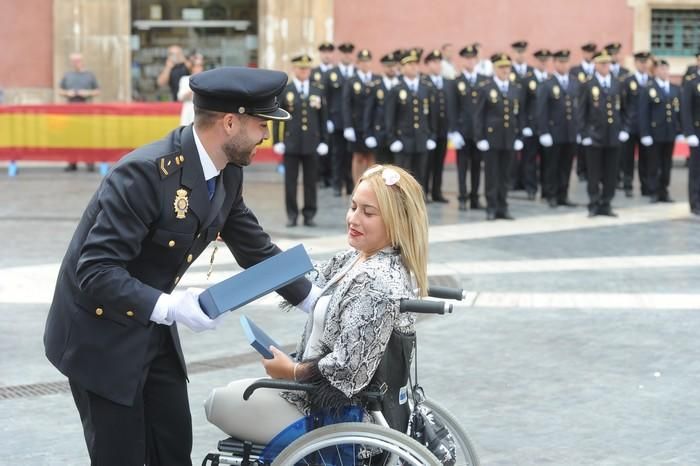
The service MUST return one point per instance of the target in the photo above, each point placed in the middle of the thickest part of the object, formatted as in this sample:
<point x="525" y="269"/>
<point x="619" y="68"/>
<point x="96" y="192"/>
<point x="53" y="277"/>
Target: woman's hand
<point x="280" y="366"/>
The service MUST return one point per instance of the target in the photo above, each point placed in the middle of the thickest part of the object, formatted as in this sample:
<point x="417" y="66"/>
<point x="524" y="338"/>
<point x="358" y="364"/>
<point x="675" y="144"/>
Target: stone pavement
<point x="576" y="346"/>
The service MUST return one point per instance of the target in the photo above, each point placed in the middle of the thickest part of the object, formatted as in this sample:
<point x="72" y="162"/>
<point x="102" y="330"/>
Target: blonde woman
<point x="355" y="314"/>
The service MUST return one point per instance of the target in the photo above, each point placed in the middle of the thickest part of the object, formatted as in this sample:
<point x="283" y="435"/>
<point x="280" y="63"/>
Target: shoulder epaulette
<point x="484" y="82"/>
<point x="169" y="164"/>
<point x="691" y="76"/>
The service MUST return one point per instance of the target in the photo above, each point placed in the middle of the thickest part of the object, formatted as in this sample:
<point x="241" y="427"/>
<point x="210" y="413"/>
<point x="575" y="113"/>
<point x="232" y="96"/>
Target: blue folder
<point x="258" y="339"/>
<point x="256" y="281"/>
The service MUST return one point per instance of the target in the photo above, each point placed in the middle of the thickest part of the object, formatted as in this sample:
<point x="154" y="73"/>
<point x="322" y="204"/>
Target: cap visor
<point x="279" y="114"/>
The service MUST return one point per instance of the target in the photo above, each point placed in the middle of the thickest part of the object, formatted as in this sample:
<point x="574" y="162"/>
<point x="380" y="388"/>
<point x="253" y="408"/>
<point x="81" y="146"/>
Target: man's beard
<point x="238" y="153"/>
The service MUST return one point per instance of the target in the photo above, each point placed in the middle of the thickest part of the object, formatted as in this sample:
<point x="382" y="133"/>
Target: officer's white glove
<point x="546" y="140"/>
<point x="370" y="142"/>
<point x="587" y="142"/>
<point x="623" y="136"/>
<point x="527" y="132"/>
<point x="278" y="148"/>
<point x="349" y="134"/>
<point x="578" y="139"/>
<point x="518" y="145"/>
<point x="396" y="146"/>
<point x="680" y="138"/>
<point x="483" y="145"/>
<point x="692" y="140"/>
<point x="330" y="126"/>
<point x="647" y="141"/>
<point x="456" y="139"/>
<point x="430" y="144"/>
<point x="183" y="307"/>
<point x="322" y="149"/>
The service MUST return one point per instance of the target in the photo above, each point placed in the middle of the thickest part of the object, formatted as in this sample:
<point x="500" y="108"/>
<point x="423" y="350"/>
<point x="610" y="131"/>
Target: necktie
<point x="565" y="83"/>
<point x="666" y="89"/>
<point x="305" y="88"/>
<point x="504" y="89"/>
<point x="211" y="187"/>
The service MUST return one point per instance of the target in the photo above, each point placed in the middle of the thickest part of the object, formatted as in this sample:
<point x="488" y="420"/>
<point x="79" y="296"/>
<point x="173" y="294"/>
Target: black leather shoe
<point x="309" y="222"/>
<point x="291" y="222"/>
<point x="653" y="199"/>
<point x="552" y="203"/>
<point x="531" y="196"/>
<point x="476" y="205"/>
<point x="463" y="206"/>
<point x="608" y="213"/>
<point x="628" y="192"/>
<point x="666" y="199"/>
<point x="567" y="203"/>
<point x="695" y="212"/>
<point x="490" y="216"/>
<point x="441" y="199"/>
<point x="592" y="213"/>
<point x="506" y="216"/>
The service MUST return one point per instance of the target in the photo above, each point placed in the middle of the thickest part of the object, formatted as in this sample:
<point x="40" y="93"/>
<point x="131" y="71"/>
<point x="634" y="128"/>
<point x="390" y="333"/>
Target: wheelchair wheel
<point x="466" y="454"/>
<point x="355" y="443"/>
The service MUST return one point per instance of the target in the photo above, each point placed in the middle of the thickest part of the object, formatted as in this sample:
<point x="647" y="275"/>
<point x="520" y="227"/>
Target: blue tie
<point x="211" y="187"/>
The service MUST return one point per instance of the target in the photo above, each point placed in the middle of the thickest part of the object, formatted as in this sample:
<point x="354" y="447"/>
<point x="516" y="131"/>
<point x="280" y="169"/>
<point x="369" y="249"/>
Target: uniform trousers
<point x="694" y="179"/>
<point x="435" y="168"/>
<point x="469" y="160"/>
<point x="415" y="163"/>
<point x="557" y="161"/>
<point x="384" y="155"/>
<point x="342" y="163"/>
<point x="156" y="429"/>
<point x="581" y="171"/>
<point x="602" y="165"/>
<point x="659" y="160"/>
<point x="309" y="164"/>
<point x="627" y="163"/>
<point x="496" y="172"/>
<point x="528" y="164"/>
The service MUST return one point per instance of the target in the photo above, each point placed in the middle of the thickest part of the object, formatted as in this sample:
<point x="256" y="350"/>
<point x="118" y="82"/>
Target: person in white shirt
<point x="447" y="68"/>
<point x="483" y="67"/>
<point x="184" y="93"/>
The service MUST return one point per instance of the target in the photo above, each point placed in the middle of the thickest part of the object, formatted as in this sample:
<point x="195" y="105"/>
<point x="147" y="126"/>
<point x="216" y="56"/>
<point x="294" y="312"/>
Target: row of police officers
<point x="526" y="124"/>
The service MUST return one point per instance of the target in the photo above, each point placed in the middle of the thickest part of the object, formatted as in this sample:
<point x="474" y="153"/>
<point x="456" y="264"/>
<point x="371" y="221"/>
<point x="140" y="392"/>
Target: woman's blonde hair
<point x="402" y="207"/>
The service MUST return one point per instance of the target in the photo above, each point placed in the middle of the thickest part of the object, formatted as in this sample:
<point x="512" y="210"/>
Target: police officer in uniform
<point x="632" y="86"/>
<point x="409" y="121"/>
<point x="318" y="77"/>
<point x="374" y="121"/>
<point x="461" y="125"/>
<point x="556" y="123"/>
<point x="659" y="125"/>
<point x="341" y="157"/>
<point x="690" y="120"/>
<point x="582" y="72"/>
<point x="498" y="121"/>
<point x="301" y="140"/>
<point x="602" y="130"/>
<point x="357" y="91"/>
<point x="442" y="90"/>
<point x="693" y="69"/>
<point x="112" y="325"/>
<point x="618" y="71"/>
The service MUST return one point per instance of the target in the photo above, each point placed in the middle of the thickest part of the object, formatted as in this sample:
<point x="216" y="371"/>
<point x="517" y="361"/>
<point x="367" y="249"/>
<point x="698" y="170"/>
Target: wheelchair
<point x="382" y="442"/>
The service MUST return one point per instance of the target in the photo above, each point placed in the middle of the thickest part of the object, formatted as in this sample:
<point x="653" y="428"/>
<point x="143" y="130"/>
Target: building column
<point x="287" y="28"/>
<point x="101" y="31"/>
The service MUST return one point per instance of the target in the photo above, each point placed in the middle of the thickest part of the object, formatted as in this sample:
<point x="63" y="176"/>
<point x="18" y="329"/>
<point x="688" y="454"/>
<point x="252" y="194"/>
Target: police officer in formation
<point x="318" y="77"/>
<point x="589" y="112"/>
<point x="301" y="140"/>
<point x="690" y="120"/>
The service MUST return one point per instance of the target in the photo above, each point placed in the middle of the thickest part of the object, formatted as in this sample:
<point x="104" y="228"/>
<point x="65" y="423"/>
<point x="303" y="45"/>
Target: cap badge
<point x="181" y="203"/>
<point x="241" y="109"/>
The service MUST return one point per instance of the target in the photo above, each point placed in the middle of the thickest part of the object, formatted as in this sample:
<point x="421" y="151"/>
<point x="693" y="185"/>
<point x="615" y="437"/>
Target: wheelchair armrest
<point x="279" y="384"/>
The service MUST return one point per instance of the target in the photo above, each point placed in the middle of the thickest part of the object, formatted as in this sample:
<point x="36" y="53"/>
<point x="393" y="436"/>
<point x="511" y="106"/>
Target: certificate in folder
<point x="256" y="281"/>
<point x="257" y="338"/>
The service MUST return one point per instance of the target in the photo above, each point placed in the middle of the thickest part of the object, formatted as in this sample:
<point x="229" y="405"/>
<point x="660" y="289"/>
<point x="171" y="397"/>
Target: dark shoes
<point x="567" y="203"/>
<point x="505" y="216"/>
<point x="476" y="205"/>
<point x="463" y="206"/>
<point x="71" y="167"/>
<point x="291" y="222"/>
<point x="628" y="192"/>
<point x="531" y="196"/>
<point x="309" y="222"/>
<point x="441" y="199"/>
<point x="490" y="216"/>
<point x="552" y="203"/>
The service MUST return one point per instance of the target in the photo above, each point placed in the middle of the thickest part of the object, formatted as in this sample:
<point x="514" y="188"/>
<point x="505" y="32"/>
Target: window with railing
<point x="675" y="32"/>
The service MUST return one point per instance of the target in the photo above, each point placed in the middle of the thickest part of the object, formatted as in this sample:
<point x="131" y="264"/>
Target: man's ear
<point x="231" y="123"/>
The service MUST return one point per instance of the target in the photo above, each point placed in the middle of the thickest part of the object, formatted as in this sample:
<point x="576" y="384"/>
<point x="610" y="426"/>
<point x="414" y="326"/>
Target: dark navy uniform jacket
<point x="356" y="98"/>
<point x="409" y="118"/>
<point x="630" y="93"/>
<point x="307" y="128"/>
<point x="498" y="118"/>
<point x="462" y="103"/>
<point x="556" y="110"/>
<point x="333" y="85"/>
<point x="599" y="112"/>
<point x="148" y="221"/>
<point x="374" y="120"/>
<point x="439" y="103"/>
<point x="660" y="114"/>
<point x="690" y="105"/>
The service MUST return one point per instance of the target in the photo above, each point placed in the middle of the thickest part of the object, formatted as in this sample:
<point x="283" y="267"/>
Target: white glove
<point x="680" y="138"/>
<point x="647" y="141"/>
<point x="518" y="145"/>
<point x="527" y="132"/>
<point x="349" y="134"/>
<point x="546" y="140"/>
<point x="183" y="307"/>
<point x="456" y="139"/>
<point x="623" y="136"/>
<point x="396" y="146"/>
<point x="430" y="144"/>
<point x="587" y="141"/>
<point x="578" y="139"/>
<point x="330" y="126"/>
<point x="483" y="145"/>
<point x="370" y="142"/>
<point x="322" y="149"/>
<point x="278" y="148"/>
<point x="692" y="140"/>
